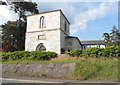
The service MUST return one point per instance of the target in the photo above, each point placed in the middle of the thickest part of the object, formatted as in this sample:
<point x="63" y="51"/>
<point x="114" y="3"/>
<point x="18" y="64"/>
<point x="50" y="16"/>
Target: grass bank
<point x="97" y="69"/>
<point x="85" y="68"/>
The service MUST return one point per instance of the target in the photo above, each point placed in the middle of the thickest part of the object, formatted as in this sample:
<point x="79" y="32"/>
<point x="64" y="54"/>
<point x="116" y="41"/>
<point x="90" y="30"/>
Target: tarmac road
<point x="8" y="81"/>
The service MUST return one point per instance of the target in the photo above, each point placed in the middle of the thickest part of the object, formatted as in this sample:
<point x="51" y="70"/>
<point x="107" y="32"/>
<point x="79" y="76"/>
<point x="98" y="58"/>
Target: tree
<point x="10" y="36"/>
<point x="112" y="38"/>
<point x="106" y="37"/>
<point x="14" y="31"/>
<point x="115" y="35"/>
<point x="21" y="8"/>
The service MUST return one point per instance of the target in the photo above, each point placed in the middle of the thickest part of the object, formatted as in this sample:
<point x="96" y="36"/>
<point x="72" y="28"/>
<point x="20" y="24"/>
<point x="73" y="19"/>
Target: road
<point x="54" y="82"/>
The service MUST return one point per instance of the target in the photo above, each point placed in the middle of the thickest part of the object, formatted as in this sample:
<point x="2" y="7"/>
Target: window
<point x="41" y="21"/>
<point x="65" y="27"/>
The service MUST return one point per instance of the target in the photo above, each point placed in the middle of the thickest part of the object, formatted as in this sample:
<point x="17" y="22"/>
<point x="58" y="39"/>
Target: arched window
<point x="41" y="47"/>
<point x="41" y="21"/>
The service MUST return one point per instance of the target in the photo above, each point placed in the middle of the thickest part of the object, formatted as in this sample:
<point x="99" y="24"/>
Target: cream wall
<point x="52" y="21"/>
<point x="51" y="32"/>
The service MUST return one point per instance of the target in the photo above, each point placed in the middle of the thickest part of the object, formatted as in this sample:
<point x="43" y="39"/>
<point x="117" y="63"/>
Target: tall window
<point x="41" y="21"/>
<point x="65" y="27"/>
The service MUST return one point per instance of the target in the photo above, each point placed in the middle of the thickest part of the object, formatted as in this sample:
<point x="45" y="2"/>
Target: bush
<point x="75" y="53"/>
<point x="5" y="56"/>
<point x="91" y="52"/>
<point x="25" y="55"/>
<point x="111" y="51"/>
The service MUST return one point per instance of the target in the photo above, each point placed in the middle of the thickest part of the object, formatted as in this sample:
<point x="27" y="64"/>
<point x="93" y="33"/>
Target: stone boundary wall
<point x="50" y="70"/>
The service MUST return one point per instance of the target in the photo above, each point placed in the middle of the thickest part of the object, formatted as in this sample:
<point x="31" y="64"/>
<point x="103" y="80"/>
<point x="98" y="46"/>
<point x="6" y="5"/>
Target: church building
<point x="50" y="31"/>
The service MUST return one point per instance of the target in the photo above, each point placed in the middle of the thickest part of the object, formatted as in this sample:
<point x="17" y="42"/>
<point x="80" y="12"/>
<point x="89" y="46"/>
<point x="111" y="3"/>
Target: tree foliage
<point x="14" y="31"/>
<point x="115" y="35"/>
<point x="13" y="38"/>
<point x="22" y="8"/>
<point x="112" y="38"/>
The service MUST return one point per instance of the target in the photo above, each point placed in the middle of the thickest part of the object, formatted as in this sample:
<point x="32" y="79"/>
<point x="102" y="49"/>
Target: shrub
<point x="111" y="51"/>
<point x="5" y="56"/>
<point x="25" y="55"/>
<point x="75" y="53"/>
<point x="51" y="54"/>
<point x="91" y="52"/>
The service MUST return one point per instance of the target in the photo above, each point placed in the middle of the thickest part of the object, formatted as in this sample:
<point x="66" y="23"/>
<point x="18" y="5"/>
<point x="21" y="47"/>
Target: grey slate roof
<point x="93" y="42"/>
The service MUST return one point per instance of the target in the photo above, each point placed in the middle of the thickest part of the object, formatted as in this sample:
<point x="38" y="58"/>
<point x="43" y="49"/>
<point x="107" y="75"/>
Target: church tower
<point x="47" y="31"/>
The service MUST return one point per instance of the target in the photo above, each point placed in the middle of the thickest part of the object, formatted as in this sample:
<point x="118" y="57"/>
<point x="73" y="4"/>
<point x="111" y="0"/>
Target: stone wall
<point x="39" y="70"/>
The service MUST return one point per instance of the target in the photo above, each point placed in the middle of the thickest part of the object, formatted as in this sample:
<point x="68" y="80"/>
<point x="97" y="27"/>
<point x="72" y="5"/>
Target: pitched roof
<point x="93" y="42"/>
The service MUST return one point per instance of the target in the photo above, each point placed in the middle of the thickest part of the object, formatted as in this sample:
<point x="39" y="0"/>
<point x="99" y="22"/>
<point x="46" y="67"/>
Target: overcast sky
<point x="89" y="20"/>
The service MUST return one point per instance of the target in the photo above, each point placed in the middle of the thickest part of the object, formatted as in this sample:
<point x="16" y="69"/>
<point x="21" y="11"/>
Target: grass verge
<point x="97" y="69"/>
<point x="36" y="61"/>
<point x="86" y="68"/>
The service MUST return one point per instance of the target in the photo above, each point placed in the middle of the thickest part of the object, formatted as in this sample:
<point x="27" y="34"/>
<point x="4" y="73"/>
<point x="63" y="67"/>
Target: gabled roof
<point x="93" y="42"/>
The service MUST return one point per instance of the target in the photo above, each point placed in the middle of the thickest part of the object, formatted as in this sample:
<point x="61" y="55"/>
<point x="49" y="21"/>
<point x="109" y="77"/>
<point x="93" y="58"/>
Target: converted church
<point x="50" y="31"/>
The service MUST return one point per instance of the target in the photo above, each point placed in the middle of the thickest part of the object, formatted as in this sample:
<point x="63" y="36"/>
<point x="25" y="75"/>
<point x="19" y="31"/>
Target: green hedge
<point x="25" y="55"/>
<point x="112" y="51"/>
<point x="75" y="53"/>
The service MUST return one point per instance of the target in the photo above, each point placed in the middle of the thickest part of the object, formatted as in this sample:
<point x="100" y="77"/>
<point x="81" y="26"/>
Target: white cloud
<point x="81" y="19"/>
<point x="6" y="14"/>
<point x="78" y="17"/>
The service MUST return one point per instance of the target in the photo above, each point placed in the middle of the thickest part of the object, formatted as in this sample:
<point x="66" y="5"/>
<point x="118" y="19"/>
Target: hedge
<point x="112" y="51"/>
<point x="25" y="55"/>
<point x="75" y="53"/>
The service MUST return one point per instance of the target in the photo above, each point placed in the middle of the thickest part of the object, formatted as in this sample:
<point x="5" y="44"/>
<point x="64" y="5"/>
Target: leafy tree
<point x="106" y="37"/>
<point x="115" y="35"/>
<point x="14" y="31"/>
<point x="11" y="39"/>
<point x="22" y="8"/>
<point x="112" y="38"/>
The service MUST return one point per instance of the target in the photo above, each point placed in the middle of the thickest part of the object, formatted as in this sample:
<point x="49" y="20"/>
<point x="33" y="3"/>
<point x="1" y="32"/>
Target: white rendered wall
<point x="51" y="32"/>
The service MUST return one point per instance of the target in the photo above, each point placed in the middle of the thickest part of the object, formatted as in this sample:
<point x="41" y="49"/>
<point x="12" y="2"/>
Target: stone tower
<point x="47" y="31"/>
